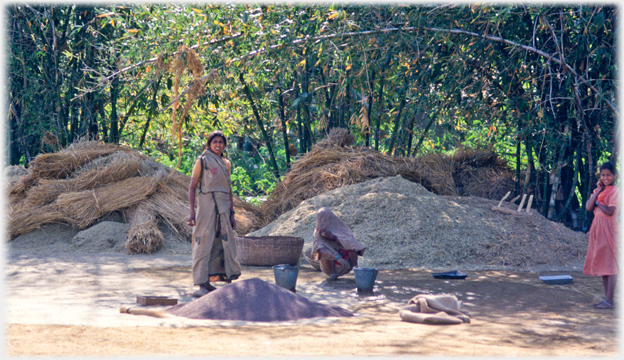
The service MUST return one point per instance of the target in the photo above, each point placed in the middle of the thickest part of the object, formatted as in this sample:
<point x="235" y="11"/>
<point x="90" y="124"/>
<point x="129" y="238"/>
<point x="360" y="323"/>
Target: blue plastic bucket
<point x="364" y="278"/>
<point x="286" y="276"/>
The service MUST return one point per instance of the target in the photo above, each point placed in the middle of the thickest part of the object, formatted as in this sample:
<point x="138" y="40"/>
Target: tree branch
<point x="531" y="49"/>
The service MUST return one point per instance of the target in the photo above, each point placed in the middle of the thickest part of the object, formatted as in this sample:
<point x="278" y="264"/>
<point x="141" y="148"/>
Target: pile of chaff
<point x="88" y="180"/>
<point x="333" y="163"/>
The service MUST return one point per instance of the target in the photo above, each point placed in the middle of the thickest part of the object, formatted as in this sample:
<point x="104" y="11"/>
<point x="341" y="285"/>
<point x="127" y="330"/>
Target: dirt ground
<point x="67" y="304"/>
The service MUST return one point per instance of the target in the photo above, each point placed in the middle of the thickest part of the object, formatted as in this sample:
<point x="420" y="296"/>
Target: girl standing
<point x="214" y="248"/>
<point x="602" y="250"/>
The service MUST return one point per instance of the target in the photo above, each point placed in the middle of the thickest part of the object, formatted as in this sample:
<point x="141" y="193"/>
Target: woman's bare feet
<point x="603" y="305"/>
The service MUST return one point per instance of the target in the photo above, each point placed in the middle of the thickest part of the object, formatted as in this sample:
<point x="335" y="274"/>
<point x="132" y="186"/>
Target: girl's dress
<point x="214" y="247"/>
<point x="602" y="250"/>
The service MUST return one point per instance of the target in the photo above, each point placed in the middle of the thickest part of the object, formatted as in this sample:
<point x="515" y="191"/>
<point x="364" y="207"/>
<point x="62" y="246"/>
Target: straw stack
<point x="144" y="237"/>
<point x="171" y="210"/>
<point x="332" y="163"/>
<point x="85" y="207"/>
<point x="105" y="170"/>
<point x="24" y="219"/>
<point x="88" y="180"/>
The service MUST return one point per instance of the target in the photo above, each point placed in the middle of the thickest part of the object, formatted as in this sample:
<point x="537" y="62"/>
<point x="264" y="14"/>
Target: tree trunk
<point x="397" y="121"/>
<point x="370" y="107"/>
<point x="298" y="120"/>
<point x="260" y="125"/>
<point x="572" y="193"/>
<point x="424" y="134"/>
<point x="307" y="130"/>
<point x="380" y="100"/>
<point x="518" y="142"/>
<point x="281" y="114"/>
<point x="530" y="173"/>
<point x="555" y="183"/>
<point x="150" y="113"/>
<point x="113" y="136"/>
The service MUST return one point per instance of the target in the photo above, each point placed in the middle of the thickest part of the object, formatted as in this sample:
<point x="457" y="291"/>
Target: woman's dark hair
<point x="608" y="166"/>
<point x="215" y="134"/>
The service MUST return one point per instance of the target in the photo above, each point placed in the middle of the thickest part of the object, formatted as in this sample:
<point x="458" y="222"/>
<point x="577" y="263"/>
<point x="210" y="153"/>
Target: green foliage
<point x="469" y="75"/>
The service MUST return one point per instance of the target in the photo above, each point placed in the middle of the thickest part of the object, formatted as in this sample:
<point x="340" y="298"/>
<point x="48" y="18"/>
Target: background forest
<point x="535" y="84"/>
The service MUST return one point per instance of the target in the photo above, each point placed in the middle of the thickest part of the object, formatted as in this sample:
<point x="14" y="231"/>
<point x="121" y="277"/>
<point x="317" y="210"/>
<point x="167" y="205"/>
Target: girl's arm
<point x="589" y="206"/>
<point x="228" y="165"/>
<point x="607" y="210"/>
<point x="191" y="194"/>
<point x="591" y="203"/>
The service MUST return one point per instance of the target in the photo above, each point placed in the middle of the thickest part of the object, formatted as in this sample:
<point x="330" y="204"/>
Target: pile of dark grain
<point x="255" y="300"/>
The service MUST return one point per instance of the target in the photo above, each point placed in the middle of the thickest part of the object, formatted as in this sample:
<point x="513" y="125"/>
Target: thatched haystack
<point x="89" y="180"/>
<point x="333" y="163"/>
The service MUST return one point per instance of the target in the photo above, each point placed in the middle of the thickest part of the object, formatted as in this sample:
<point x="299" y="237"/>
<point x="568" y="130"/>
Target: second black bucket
<point x="364" y="279"/>
<point x="286" y="276"/>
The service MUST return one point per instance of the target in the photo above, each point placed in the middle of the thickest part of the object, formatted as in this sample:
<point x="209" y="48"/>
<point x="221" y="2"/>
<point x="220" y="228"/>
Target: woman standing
<point x="214" y="248"/>
<point x="602" y="250"/>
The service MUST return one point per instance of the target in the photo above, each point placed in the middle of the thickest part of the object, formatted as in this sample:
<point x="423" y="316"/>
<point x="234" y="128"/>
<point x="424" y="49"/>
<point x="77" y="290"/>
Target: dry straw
<point x="61" y="164"/>
<point x="171" y="210"/>
<point x="109" y="178"/>
<point x="333" y="163"/>
<point x="85" y="207"/>
<point x="105" y="170"/>
<point x="144" y="237"/>
<point x="24" y="219"/>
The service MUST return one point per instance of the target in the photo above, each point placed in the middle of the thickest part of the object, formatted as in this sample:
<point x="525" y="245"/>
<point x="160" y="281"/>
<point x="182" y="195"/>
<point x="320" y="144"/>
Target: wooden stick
<point x="522" y="202"/>
<point x="504" y="198"/>
<point x="149" y="312"/>
<point x="528" y="208"/>
<point x="509" y="211"/>
<point x="514" y="199"/>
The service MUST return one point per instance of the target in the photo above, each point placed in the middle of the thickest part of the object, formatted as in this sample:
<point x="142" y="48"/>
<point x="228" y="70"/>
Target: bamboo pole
<point x="528" y="208"/>
<point x="504" y="198"/>
<point x="522" y="202"/>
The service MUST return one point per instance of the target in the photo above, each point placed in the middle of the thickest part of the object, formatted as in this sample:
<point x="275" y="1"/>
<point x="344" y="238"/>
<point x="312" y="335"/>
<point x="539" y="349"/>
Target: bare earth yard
<point x="67" y="304"/>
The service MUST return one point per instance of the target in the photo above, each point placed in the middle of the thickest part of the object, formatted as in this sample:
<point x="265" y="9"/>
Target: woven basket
<point x="268" y="250"/>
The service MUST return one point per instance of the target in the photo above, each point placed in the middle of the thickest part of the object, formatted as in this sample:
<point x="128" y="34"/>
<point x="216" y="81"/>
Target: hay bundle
<point x="481" y="173"/>
<point x="104" y="170"/>
<point x="85" y="207"/>
<point x="325" y="169"/>
<point x="248" y="217"/>
<point x="61" y="164"/>
<point x="144" y="237"/>
<point x="437" y="170"/>
<point x="337" y="137"/>
<point x="171" y="210"/>
<point x="24" y="219"/>
<point x="14" y="173"/>
<point x="332" y="164"/>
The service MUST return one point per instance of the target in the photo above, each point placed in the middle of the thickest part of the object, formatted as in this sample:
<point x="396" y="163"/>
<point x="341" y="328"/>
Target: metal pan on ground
<point x="556" y="279"/>
<point x="452" y="275"/>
